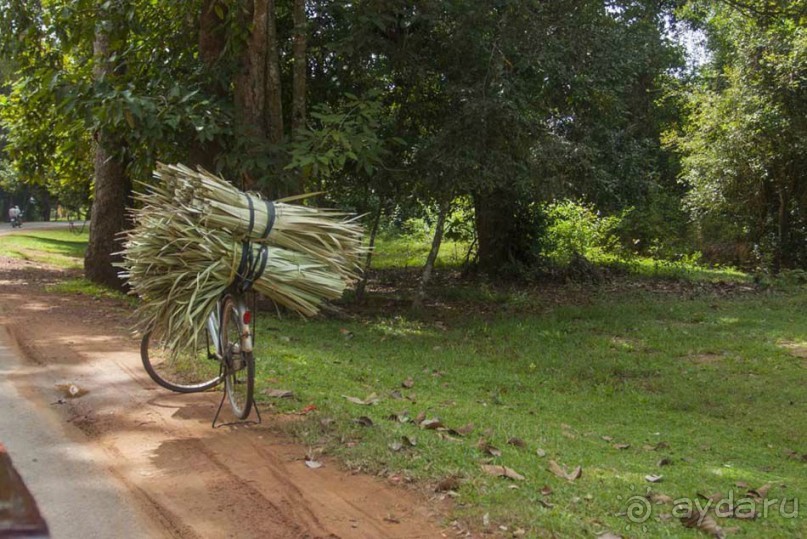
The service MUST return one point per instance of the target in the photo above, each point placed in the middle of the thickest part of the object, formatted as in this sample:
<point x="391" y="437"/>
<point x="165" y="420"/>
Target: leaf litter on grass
<point x="559" y="471"/>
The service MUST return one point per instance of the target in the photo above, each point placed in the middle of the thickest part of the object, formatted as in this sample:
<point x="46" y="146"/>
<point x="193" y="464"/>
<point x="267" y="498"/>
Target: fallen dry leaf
<point x="502" y="471"/>
<point x="559" y="471"/>
<point x="313" y="464"/>
<point x="540" y="452"/>
<point x="609" y="535"/>
<point x="760" y="492"/>
<point x="446" y="435"/>
<point x="409" y="441"/>
<point x="420" y="418"/>
<point x="371" y="399"/>
<point x="664" y="462"/>
<point x="409" y="383"/>
<point x="452" y="482"/>
<point x="795" y="455"/>
<point x="465" y="430"/>
<point x="401" y="417"/>
<point x="518" y="442"/>
<point x="488" y="449"/>
<point x="659" y="446"/>
<point x="279" y="393"/>
<point x="621" y="446"/>
<point x="395" y="446"/>
<point x="307" y="409"/>
<point x="431" y="424"/>
<point x="704" y="523"/>
<point x="364" y="421"/>
<point x="546" y="504"/>
<point x="546" y="490"/>
<point x="607" y="438"/>
<point x="654" y="478"/>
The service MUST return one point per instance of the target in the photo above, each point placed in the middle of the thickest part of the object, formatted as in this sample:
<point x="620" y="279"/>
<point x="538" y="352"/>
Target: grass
<point x="709" y="379"/>
<point x="712" y="383"/>
<point x="397" y="251"/>
<point x="63" y="249"/>
<point x="642" y="266"/>
<point x="84" y="287"/>
<point x="60" y="248"/>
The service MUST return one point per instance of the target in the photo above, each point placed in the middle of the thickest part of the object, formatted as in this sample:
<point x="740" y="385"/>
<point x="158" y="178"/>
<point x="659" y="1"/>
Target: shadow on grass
<point x="69" y="248"/>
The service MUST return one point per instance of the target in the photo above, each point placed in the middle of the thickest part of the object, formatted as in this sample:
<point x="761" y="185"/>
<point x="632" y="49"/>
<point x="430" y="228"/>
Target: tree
<point x="112" y="185"/>
<point x="102" y="71"/>
<point x="743" y="144"/>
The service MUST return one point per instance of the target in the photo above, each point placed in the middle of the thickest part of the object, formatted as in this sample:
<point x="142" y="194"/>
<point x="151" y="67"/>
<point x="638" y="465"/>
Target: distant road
<point x="5" y="227"/>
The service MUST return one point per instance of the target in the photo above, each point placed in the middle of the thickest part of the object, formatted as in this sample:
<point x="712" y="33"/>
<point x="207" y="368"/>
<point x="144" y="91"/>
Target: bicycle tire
<point x="239" y="367"/>
<point x="153" y="368"/>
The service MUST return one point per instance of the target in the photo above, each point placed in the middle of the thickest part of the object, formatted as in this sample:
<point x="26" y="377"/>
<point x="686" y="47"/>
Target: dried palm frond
<point x="331" y="236"/>
<point x="186" y="250"/>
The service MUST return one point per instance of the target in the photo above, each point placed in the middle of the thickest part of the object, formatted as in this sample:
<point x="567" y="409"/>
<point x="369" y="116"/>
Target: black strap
<point x="270" y="217"/>
<point x="243" y="265"/>
<point x="251" y="216"/>
<point x="251" y="267"/>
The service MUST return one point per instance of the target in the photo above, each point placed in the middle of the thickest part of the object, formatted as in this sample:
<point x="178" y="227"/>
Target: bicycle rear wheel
<point x="189" y="371"/>
<point x="239" y="366"/>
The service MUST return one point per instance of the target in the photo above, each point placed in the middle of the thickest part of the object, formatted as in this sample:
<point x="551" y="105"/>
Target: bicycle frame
<point x="244" y="316"/>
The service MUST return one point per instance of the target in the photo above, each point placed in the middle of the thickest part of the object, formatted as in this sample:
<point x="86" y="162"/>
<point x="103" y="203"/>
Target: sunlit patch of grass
<point x="88" y="288"/>
<point x="670" y="269"/>
<point x="59" y="248"/>
<point x="397" y="251"/>
<point x="572" y="382"/>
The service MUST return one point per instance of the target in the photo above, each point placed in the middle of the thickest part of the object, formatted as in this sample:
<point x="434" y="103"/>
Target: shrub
<point x="577" y="229"/>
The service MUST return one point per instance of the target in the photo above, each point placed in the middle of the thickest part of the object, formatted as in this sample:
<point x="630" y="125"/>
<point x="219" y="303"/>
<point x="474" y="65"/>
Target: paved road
<point x="75" y="492"/>
<point x="5" y="226"/>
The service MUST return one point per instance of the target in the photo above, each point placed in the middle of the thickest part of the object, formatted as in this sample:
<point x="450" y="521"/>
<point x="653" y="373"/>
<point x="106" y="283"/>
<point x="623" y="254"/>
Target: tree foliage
<point x="397" y="106"/>
<point x="745" y="137"/>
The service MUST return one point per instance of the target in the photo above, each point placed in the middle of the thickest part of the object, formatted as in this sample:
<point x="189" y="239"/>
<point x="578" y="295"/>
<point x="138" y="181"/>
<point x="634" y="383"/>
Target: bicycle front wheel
<point x="239" y="366"/>
<point x="188" y="371"/>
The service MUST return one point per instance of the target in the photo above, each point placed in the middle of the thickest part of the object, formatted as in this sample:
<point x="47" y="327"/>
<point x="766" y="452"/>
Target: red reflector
<point x="247" y="318"/>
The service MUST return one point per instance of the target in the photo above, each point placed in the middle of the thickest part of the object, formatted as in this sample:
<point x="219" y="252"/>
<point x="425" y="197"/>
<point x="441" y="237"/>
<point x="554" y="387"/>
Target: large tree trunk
<point x="250" y="84"/>
<point x="112" y="188"/>
<point x="299" y="79"/>
<point x="300" y="67"/>
<point x="212" y="40"/>
<point x="274" y="103"/>
<point x="496" y="230"/>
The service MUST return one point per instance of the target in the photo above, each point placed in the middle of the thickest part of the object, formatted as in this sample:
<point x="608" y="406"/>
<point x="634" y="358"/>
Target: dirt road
<point x="184" y="478"/>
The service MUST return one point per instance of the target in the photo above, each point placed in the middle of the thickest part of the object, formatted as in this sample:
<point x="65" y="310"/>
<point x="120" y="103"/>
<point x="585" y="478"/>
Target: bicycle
<point x="73" y="227"/>
<point x="227" y="355"/>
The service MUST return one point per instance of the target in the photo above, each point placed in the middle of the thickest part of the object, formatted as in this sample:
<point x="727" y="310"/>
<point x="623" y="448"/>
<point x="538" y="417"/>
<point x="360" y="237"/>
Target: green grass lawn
<point x="60" y="248"/>
<point x="395" y="251"/>
<point x="711" y="385"/>
<point x="618" y="382"/>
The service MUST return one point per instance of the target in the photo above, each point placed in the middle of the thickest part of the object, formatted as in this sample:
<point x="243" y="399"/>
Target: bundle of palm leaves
<point x="195" y="235"/>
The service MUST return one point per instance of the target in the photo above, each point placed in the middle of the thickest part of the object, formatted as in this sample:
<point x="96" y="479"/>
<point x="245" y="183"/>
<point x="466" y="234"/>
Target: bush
<point x="576" y="229"/>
